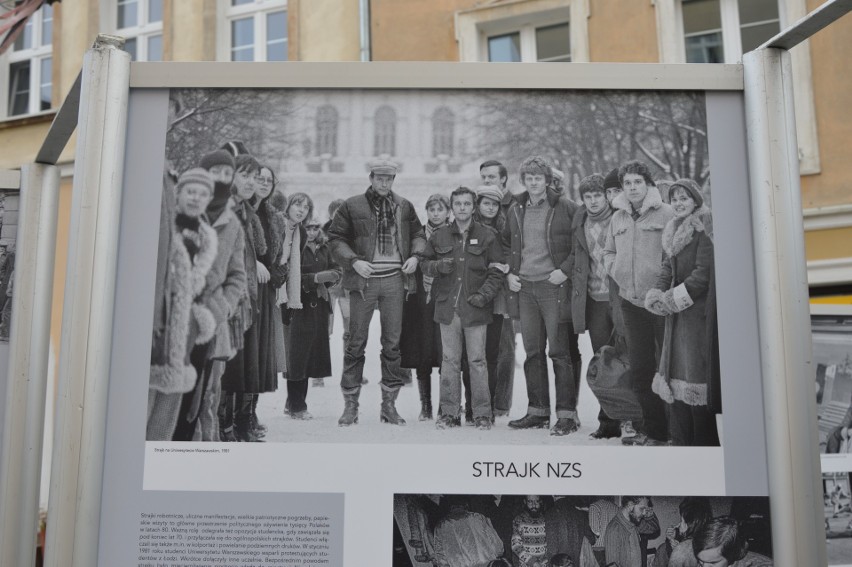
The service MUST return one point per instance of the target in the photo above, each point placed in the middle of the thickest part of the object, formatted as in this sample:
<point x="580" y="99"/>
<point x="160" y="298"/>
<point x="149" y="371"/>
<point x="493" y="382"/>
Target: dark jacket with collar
<point x="580" y="277"/>
<point x="352" y="236"/>
<point x="474" y="272"/>
<point x="558" y="231"/>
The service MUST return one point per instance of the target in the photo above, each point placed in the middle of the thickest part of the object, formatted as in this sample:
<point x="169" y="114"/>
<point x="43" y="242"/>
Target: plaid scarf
<point x="384" y="208"/>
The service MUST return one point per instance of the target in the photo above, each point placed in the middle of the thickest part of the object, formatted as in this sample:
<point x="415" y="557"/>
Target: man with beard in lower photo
<point x="529" y="541"/>
<point x="628" y="532"/>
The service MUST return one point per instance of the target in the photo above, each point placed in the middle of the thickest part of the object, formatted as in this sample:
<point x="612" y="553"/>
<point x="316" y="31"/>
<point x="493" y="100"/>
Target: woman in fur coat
<point x="241" y="380"/>
<point x="270" y="330"/>
<point x="308" y="305"/>
<point x="183" y="326"/>
<point x="684" y="295"/>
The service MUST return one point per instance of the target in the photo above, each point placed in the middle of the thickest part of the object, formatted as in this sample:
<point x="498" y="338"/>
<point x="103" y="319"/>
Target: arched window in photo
<point x="385" y="131"/>
<point x="327" y="120"/>
<point x="443" y="131"/>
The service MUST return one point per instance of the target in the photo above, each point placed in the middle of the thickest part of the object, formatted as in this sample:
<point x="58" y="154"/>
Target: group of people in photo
<point x="580" y="531"/>
<point x="248" y="279"/>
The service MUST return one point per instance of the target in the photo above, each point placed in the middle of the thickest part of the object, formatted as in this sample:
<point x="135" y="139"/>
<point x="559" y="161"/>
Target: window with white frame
<point x="141" y="22"/>
<point x="530" y="43"/>
<point x="720" y="31"/>
<point x="257" y="30"/>
<point x="31" y="66"/>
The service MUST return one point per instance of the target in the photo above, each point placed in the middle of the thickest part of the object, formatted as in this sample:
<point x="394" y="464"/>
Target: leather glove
<point x="326" y="276"/>
<point x="477" y="300"/>
<point x="278" y="275"/>
<point x="445" y="266"/>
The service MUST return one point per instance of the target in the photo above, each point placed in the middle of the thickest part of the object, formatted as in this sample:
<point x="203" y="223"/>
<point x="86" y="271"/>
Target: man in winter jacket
<point x="376" y="238"/>
<point x="633" y="255"/>
<point x="537" y="244"/>
<point x="593" y="289"/>
<point x="461" y="258"/>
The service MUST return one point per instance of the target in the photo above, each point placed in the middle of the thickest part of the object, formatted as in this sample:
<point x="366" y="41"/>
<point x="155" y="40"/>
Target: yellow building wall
<point x="414" y="30"/>
<point x="324" y="30"/>
<point x="832" y="96"/>
<point x="189" y="30"/>
<point x="827" y="244"/>
<point x="609" y="40"/>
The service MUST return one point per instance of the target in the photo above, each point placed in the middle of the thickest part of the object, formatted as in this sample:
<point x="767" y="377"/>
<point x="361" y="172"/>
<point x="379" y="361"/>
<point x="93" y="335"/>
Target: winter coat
<point x="420" y="338"/>
<point x="581" y="271"/>
<point x="182" y="321"/>
<point x="226" y="281"/>
<point x="633" y="250"/>
<point x="686" y="361"/>
<point x="474" y="273"/>
<point x="558" y="226"/>
<point x="352" y="236"/>
<point x="498" y="223"/>
<point x="307" y="336"/>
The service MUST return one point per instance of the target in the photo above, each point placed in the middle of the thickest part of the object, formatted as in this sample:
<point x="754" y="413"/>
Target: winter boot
<point x="425" y="388"/>
<point x="350" y="408"/>
<point x="389" y="414"/>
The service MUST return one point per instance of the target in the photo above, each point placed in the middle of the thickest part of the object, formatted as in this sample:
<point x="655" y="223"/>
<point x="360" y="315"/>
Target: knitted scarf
<point x="384" y="208"/>
<point x="291" y="292"/>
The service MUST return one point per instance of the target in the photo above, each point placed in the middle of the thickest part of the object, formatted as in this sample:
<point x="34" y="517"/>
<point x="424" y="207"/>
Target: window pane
<point x="753" y="36"/>
<point x="705" y="48"/>
<point x="25" y="38"/>
<point x="45" y="83"/>
<point x="276" y="36"/>
<point x="128" y="13"/>
<point x="19" y="88"/>
<point x="130" y="47"/>
<point x="47" y="24"/>
<point x="155" y="11"/>
<point x="242" y="40"/>
<point x="155" y="48"/>
<point x="752" y="11"/>
<point x="553" y="43"/>
<point x="504" y="48"/>
<point x="701" y="15"/>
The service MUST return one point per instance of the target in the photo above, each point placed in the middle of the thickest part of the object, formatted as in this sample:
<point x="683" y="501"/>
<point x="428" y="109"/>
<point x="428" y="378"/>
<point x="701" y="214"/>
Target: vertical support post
<point x="78" y="454"/>
<point x="783" y="310"/>
<point x="23" y="428"/>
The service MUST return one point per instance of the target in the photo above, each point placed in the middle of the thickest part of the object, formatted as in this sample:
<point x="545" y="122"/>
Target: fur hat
<point x="691" y="187"/>
<point x="490" y="191"/>
<point x="218" y="157"/>
<point x="196" y="175"/>
<point x="611" y="180"/>
<point x="594" y="183"/>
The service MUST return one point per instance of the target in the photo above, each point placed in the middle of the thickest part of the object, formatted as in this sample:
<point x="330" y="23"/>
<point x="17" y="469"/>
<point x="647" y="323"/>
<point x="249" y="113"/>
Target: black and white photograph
<point x="534" y="530"/>
<point x="832" y="356"/>
<point x="436" y="266"/>
<point x="837" y="502"/>
<point x="9" y="201"/>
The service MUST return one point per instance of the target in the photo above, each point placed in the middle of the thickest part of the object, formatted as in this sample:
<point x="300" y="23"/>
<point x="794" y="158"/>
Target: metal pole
<point x="795" y="495"/>
<point x="78" y="453"/>
<point x="23" y="428"/>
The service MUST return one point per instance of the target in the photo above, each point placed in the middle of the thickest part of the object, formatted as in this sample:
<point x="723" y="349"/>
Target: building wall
<point x="832" y="91"/>
<point x="414" y="30"/>
<point x="189" y="30"/>
<point x="608" y="41"/>
<point x="325" y="30"/>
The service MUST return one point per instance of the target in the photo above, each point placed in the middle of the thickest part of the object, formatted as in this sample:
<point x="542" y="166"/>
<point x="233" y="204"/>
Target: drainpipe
<point x="364" y="17"/>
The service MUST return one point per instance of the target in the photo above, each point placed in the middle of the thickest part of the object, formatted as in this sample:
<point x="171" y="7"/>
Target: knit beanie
<point x="691" y="187"/>
<point x="611" y="180"/>
<point x="196" y="175"/>
<point x="491" y="191"/>
<point x="219" y="157"/>
<point x="594" y="183"/>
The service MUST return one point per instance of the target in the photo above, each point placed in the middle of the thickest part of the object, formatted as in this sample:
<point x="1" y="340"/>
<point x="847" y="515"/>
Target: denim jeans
<point x="501" y="396"/>
<point x="540" y="327"/>
<point x="644" y="341"/>
<point x="388" y="293"/>
<point x="453" y="338"/>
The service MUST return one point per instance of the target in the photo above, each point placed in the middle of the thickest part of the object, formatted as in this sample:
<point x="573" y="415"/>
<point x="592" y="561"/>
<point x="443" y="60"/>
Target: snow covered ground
<point x="326" y="405"/>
